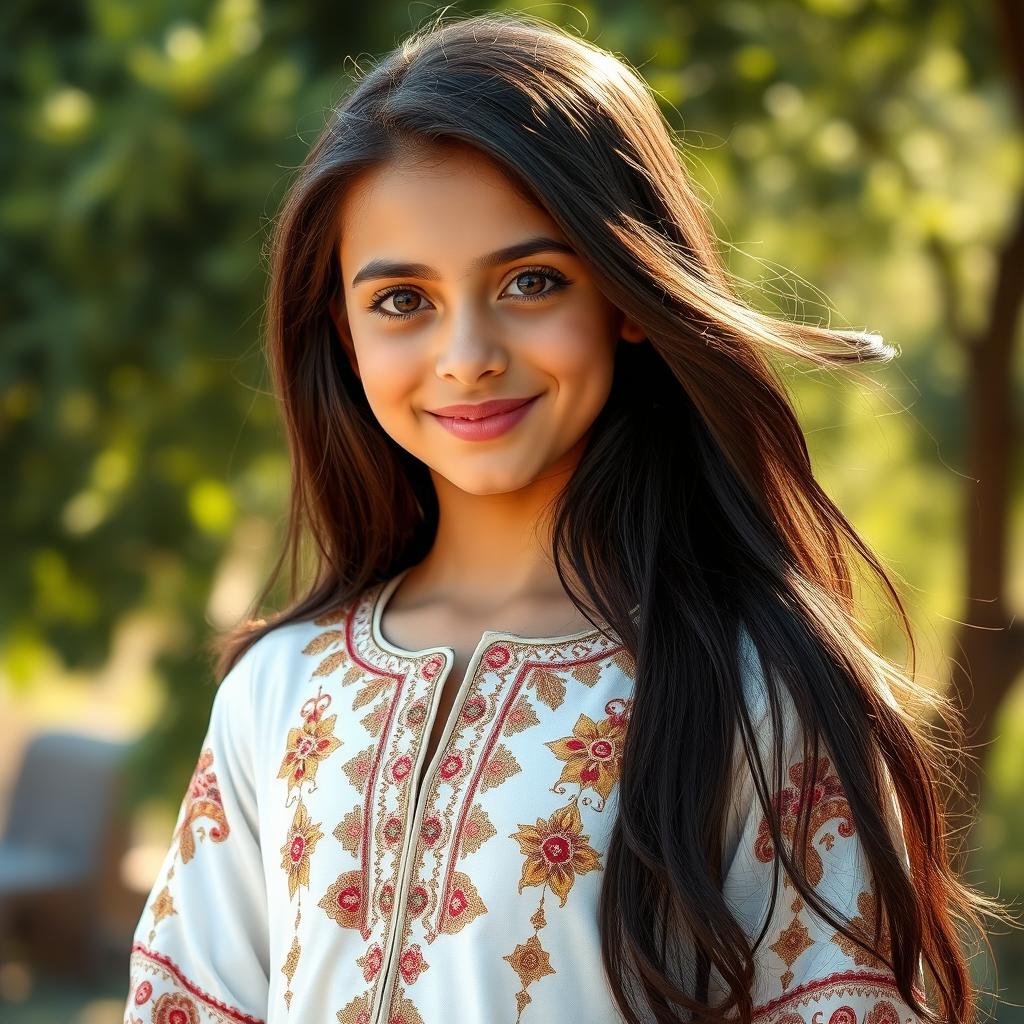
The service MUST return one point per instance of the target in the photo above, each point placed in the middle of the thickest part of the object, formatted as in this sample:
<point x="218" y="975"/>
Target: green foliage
<point x="152" y="143"/>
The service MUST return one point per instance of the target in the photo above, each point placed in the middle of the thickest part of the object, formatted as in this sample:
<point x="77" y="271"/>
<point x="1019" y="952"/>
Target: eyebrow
<point x="528" y="247"/>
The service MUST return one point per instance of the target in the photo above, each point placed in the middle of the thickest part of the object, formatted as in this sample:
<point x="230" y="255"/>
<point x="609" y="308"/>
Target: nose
<point x="470" y="345"/>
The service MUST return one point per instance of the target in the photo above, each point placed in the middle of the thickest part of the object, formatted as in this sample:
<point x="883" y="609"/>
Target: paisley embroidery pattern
<point x="827" y="802"/>
<point x="524" y="772"/>
<point x="202" y="800"/>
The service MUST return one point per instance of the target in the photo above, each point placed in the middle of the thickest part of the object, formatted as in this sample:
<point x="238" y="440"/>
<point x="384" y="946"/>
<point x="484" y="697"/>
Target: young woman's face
<point x="436" y="315"/>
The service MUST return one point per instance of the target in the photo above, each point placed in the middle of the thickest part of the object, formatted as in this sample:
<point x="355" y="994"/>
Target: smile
<point x="486" y="427"/>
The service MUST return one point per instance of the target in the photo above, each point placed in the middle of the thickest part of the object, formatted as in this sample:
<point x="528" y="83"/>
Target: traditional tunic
<point x="321" y="871"/>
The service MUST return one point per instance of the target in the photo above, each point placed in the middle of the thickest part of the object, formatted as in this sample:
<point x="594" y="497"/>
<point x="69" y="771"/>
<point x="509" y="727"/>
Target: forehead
<point x="442" y="205"/>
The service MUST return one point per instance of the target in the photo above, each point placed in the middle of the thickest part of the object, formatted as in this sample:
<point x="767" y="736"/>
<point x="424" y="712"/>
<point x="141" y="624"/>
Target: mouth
<point x="500" y="416"/>
<point x="481" y="410"/>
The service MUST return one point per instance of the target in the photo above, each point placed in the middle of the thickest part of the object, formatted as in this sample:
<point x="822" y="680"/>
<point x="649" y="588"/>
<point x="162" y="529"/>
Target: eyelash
<point x="561" y="281"/>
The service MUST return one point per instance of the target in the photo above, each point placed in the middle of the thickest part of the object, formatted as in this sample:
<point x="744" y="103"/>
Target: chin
<point x="484" y="484"/>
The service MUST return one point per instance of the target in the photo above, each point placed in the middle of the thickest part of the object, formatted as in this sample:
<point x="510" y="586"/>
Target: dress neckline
<point x="381" y="594"/>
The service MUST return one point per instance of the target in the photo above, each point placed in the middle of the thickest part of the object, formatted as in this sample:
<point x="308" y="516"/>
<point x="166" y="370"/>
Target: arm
<point x="201" y="945"/>
<point x="807" y="972"/>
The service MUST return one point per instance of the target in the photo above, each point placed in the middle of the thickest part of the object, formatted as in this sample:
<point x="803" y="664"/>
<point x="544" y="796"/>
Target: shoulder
<point x="276" y="668"/>
<point x="766" y="696"/>
<point x="775" y="743"/>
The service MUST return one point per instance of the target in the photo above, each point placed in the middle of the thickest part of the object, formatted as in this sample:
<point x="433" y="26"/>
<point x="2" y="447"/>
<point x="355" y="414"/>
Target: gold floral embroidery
<point x="478" y="829"/>
<point x="306" y="748"/>
<point x="593" y="755"/>
<point x="464" y="904"/>
<point x="397" y="692"/>
<point x="521" y="717"/>
<point x="302" y="839"/>
<point x="343" y="901"/>
<point x="531" y="962"/>
<point x="411" y="963"/>
<point x="439" y="897"/>
<point x="557" y="849"/>
<point x="792" y="941"/>
<point x="501" y="766"/>
<point x="864" y="925"/>
<point x="371" y="961"/>
<point x="549" y="687"/>
<point x="349" y="831"/>
<point x="162" y="906"/>
<point x="403" y="1011"/>
<point x="357" y="1011"/>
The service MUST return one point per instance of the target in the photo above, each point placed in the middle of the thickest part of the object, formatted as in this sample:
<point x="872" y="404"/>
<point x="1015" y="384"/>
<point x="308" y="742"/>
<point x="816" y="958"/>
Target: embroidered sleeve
<point x="808" y="972"/>
<point x="200" y="950"/>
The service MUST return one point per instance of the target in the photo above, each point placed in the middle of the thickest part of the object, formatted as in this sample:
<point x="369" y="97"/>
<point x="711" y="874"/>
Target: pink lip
<point x="478" y="410"/>
<point x="491" y="418"/>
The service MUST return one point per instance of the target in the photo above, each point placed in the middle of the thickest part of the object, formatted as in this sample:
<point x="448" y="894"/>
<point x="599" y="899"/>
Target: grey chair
<point x="54" y="849"/>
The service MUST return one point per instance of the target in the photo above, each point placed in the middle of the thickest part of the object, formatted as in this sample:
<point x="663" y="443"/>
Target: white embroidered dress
<point x="321" y="872"/>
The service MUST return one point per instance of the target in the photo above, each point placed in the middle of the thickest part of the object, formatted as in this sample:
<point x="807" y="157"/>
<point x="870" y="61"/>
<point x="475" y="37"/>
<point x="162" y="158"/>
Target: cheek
<point x="577" y="350"/>
<point x="387" y="371"/>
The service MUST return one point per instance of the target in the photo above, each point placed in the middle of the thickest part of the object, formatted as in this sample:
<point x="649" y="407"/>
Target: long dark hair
<point x="694" y="500"/>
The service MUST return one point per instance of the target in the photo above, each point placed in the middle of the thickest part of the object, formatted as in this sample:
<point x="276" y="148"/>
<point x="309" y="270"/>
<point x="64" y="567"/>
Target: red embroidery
<point x="203" y="800"/>
<point x="397" y="690"/>
<point x="309" y="745"/>
<point x="557" y="850"/>
<point x="883" y="1012"/>
<point x="870" y="983"/>
<point x="306" y="748"/>
<point x="828" y="801"/>
<point x="843" y="1015"/>
<point x="303" y="835"/>
<point x="179" y="977"/>
<point x="175" y="1008"/>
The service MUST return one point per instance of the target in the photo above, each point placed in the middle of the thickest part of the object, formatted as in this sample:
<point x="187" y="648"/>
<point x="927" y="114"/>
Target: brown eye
<point x="534" y="282"/>
<point x="405" y="301"/>
<point x="530" y="283"/>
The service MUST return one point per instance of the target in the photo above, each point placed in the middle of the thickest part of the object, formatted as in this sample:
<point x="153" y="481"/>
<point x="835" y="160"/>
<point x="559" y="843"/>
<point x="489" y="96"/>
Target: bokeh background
<point x="863" y="161"/>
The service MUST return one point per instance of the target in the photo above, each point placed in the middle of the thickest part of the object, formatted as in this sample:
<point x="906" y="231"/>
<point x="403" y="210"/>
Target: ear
<point x="344" y="334"/>
<point x="630" y="330"/>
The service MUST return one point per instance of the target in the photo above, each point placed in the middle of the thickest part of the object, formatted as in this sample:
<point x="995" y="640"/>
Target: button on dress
<point x="321" y="872"/>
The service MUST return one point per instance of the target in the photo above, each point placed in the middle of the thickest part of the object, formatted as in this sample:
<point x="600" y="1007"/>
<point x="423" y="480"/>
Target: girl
<point x="575" y="718"/>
